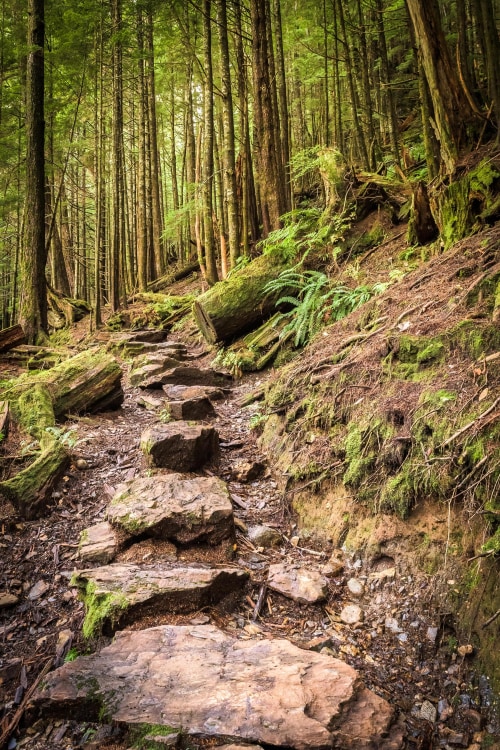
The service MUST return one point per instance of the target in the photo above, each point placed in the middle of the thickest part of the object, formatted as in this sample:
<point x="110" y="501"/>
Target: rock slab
<point x="180" y="446"/>
<point x="212" y="685"/>
<point x="192" y="408"/>
<point x="98" y="544"/>
<point x="125" y="592"/>
<point x="300" y="584"/>
<point x="172" y="507"/>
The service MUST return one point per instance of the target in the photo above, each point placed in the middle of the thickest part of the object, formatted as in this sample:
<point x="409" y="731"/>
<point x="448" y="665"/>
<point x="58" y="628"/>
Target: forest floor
<point x="405" y="645"/>
<point x="402" y="648"/>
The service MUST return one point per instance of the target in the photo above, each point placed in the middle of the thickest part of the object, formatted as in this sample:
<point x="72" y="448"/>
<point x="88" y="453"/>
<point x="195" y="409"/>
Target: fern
<point x="316" y="301"/>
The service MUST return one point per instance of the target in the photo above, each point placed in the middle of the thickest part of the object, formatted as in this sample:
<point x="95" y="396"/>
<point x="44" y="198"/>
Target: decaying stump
<point x="422" y="228"/>
<point x="87" y="382"/>
<point x="11" y="337"/>
<point x="239" y="302"/>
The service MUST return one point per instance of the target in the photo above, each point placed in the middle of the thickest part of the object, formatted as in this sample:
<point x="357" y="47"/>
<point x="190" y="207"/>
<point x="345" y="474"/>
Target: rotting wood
<point x="4" y="419"/>
<point x="174" y="275"/>
<point x="11" y="337"/>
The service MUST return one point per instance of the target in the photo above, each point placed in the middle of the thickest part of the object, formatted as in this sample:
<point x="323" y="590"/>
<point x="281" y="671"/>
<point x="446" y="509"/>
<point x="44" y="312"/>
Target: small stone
<point x="294" y="541"/>
<point x="240" y="525"/>
<point x="356" y="587"/>
<point x="465" y="650"/>
<point x="168" y="740"/>
<point x="351" y="614"/>
<point x="38" y="590"/>
<point x="432" y="634"/>
<point x="151" y="403"/>
<point x="247" y="471"/>
<point x="7" y="600"/>
<point x="98" y="543"/>
<point x="428" y="712"/>
<point x="264" y="536"/>
<point x="335" y="564"/>
<point x="81" y="464"/>
<point x="392" y="624"/>
<point x="473" y="718"/>
<point x="300" y="584"/>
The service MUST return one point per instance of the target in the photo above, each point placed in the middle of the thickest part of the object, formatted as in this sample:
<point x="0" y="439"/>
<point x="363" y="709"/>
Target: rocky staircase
<point x="172" y="681"/>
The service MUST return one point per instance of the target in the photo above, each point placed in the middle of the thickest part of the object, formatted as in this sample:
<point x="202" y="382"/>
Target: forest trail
<point x="228" y="607"/>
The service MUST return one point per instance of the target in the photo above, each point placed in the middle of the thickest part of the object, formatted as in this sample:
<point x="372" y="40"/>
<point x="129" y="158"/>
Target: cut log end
<point x="11" y="337"/>
<point x="204" y="323"/>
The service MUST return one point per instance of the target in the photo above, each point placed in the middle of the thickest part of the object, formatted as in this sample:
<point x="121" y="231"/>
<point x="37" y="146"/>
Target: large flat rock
<point x="172" y="507"/>
<point x="180" y="446"/>
<point x="117" y="595"/>
<point x="200" y="680"/>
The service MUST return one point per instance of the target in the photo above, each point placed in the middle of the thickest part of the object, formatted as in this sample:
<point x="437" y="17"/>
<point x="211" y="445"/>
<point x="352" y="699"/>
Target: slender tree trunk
<point x="157" y="228"/>
<point x="208" y="149"/>
<point x="116" y="245"/>
<point x="141" y="203"/>
<point x="271" y="178"/>
<point x="284" y="119"/>
<point x="385" y="77"/>
<point x="33" y="305"/>
<point x="229" y="171"/>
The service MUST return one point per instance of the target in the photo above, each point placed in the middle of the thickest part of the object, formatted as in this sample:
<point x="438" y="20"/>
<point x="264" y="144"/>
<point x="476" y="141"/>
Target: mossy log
<point x="87" y="382"/>
<point x="239" y="302"/>
<point x="172" y="276"/>
<point x="11" y="337"/>
<point x="29" y="489"/>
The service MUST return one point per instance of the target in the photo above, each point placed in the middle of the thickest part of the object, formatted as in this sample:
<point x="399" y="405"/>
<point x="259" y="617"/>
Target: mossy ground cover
<point x="405" y="411"/>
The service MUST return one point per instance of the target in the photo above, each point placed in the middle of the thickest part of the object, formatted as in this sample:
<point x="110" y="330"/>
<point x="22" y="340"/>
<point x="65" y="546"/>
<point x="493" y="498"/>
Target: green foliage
<point x="305" y="231"/>
<point x="317" y="301"/>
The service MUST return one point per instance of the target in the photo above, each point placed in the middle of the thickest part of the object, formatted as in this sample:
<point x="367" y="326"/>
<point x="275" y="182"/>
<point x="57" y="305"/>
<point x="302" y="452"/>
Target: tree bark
<point x="11" y="337"/>
<point x="208" y="149"/>
<point x="452" y="110"/>
<point x="33" y="304"/>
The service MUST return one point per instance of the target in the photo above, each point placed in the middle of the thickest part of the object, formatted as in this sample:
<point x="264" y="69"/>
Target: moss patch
<point x="99" y="606"/>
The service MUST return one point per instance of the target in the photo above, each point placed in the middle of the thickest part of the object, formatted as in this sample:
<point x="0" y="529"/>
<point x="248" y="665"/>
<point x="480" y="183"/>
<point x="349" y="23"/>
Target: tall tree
<point x="451" y="108"/>
<point x="33" y="307"/>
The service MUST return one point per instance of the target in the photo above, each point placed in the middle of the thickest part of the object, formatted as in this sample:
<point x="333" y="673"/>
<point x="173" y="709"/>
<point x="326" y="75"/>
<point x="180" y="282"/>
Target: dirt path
<point x="400" y="642"/>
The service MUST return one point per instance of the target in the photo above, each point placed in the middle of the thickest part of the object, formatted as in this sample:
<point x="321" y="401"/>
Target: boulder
<point x="212" y="685"/>
<point x="192" y="408"/>
<point x="174" y="508"/>
<point x="119" y="594"/>
<point x="180" y="446"/>
<point x="149" y="335"/>
<point x="98" y="544"/>
<point x="300" y="584"/>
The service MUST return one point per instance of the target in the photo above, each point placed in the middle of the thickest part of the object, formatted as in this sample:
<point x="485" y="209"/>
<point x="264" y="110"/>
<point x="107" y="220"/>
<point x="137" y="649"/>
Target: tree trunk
<point x="230" y="197"/>
<point x="157" y="239"/>
<point x="452" y="110"/>
<point x="237" y="303"/>
<point x="33" y="305"/>
<point x="208" y="149"/>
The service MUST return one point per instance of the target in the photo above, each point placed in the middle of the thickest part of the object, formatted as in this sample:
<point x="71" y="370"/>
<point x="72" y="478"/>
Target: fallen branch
<point x="470" y="424"/>
<point x="11" y="726"/>
<point x="491" y="619"/>
<point x="260" y="601"/>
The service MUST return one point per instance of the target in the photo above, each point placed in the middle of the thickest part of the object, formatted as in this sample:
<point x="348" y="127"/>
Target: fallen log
<point x="173" y="276"/>
<point x="239" y="302"/>
<point x="86" y="382"/>
<point x="11" y="337"/>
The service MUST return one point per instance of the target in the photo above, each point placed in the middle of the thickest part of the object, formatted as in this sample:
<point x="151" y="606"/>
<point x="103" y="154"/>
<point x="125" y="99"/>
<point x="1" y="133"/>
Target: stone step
<point x="152" y="368"/>
<point x="180" y="446"/>
<point x="208" y="684"/>
<point x="99" y="543"/>
<point x="188" y="375"/>
<point x="191" y="409"/>
<point x="174" y="508"/>
<point x="183" y="392"/>
<point x="119" y="594"/>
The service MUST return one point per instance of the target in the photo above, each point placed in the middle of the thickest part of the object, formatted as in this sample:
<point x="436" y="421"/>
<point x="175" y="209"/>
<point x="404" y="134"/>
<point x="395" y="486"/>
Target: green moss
<point x="99" y="606"/>
<point x="34" y="411"/>
<point x="141" y="736"/>
<point x="362" y="446"/>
